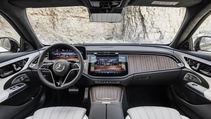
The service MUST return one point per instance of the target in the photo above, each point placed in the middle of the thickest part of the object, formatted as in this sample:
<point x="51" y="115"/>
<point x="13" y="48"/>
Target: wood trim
<point x="145" y="63"/>
<point x="106" y="93"/>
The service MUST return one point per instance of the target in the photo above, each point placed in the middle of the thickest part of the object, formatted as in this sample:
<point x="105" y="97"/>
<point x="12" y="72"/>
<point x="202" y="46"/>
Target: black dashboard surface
<point x="10" y="55"/>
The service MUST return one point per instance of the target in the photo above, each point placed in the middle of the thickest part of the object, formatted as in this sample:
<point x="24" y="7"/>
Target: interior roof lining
<point x="58" y="3"/>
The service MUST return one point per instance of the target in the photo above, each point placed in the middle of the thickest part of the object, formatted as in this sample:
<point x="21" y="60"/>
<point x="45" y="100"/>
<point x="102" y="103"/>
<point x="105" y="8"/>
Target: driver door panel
<point x="190" y="93"/>
<point x="20" y="101"/>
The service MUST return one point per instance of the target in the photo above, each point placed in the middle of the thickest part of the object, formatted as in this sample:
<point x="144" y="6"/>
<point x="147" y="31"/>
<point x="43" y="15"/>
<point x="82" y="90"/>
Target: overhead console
<point x="105" y="4"/>
<point x="108" y="65"/>
<point x="106" y="10"/>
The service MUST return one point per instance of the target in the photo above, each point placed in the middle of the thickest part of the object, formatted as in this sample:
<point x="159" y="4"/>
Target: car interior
<point x="105" y="80"/>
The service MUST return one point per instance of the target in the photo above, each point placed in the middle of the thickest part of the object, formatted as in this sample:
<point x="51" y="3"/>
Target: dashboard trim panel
<point x="156" y="63"/>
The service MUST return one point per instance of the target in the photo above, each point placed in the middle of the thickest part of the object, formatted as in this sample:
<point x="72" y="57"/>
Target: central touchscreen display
<point x="108" y="65"/>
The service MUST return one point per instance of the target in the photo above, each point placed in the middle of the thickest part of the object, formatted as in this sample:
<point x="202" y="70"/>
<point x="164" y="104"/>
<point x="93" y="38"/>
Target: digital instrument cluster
<point x="66" y="54"/>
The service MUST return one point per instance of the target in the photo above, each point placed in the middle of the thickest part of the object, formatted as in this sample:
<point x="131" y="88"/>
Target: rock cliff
<point x="139" y="25"/>
<point x="72" y="25"/>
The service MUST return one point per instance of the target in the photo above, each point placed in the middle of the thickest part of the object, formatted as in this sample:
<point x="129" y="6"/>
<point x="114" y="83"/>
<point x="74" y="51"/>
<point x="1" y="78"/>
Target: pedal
<point x="73" y="90"/>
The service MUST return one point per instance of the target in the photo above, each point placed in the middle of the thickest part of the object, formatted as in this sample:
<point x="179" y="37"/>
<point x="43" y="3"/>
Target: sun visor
<point x="105" y="17"/>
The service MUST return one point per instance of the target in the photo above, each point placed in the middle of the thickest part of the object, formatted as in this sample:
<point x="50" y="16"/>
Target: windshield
<point x="142" y="25"/>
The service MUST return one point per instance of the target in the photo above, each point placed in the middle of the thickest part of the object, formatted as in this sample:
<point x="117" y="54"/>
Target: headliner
<point x="58" y="3"/>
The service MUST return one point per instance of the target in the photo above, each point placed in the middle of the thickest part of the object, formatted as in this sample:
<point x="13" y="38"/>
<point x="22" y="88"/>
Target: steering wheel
<point x="60" y="69"/>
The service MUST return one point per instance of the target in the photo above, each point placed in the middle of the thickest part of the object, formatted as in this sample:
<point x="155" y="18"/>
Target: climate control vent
<point x="12" y="68"/>
<point x="34" y="63"/>
<point x="199" y="66"/>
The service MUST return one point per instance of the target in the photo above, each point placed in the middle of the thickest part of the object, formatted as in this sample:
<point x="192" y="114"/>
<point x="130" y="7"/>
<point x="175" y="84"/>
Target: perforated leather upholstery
<point x="149" y="112"/>
<point x="60" y="113"/>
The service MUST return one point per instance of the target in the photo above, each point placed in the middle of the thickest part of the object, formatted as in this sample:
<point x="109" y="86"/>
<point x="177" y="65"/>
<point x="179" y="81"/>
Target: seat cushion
<point x="149" y="112"/>
<point x="60" y="113"/>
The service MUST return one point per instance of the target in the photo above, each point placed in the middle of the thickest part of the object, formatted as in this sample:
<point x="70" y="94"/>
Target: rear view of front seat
<point x="60" y="113"/>
<point x="151" y="112"/>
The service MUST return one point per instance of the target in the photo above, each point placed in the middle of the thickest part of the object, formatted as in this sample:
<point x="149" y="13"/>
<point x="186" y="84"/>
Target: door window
<point x="203" y="35"/>
<point x="7" y="35"/>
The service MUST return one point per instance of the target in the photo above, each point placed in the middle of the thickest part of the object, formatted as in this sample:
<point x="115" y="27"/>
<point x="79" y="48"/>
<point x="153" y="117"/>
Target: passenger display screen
<point x="65" y="53"/>
<point x="108" y="65"/>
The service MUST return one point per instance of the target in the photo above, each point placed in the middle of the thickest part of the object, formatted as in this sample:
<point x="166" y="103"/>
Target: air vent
<point x="199" y="66"/>
<point x="12" y="68"/>
<point x="34" y="63"/>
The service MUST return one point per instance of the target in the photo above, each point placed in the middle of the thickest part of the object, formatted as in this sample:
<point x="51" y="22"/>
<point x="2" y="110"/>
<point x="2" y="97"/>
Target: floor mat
<point x="148" y="96"/>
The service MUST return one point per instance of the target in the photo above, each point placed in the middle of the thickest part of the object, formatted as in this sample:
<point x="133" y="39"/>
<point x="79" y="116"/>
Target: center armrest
<point x="106" y="93"/>
<point x="106" y="102"/>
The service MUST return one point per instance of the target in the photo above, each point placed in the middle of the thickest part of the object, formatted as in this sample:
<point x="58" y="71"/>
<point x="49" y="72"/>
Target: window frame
<point x="15" y="28"/>
<point x="190" y="39"/>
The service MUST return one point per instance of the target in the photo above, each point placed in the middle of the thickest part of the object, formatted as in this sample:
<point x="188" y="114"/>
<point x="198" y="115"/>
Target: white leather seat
<point x="60" y="113"/>
<point x="151" y="112"/>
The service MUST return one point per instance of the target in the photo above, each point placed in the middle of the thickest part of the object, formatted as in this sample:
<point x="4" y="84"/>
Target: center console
<point x="106" y="102"/>
<point x="106" y="93"/>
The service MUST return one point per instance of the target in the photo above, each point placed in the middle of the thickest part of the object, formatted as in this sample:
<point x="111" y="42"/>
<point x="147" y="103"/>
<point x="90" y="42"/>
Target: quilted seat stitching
<point x="52" y="112"/>
<point x="138" y="112"/>
<point x="170" y="113"/>
<point x="154" y="112"/>
<point x="43" y="113"/>
<point x="161" y="112"/>
<point x="146" y="113"/>
<point x="74" y="113"/>
<point x="59" y="113"/>
<point x="67" y="113"/>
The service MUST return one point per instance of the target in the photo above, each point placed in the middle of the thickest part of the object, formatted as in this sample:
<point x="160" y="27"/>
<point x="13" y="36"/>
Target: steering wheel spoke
<point x="46" y="65"/>
<point x="75" y="69"/>
<point x="51" y="73"/>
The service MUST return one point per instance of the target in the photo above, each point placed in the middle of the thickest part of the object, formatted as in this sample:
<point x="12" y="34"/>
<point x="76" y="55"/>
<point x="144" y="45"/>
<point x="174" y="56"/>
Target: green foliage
<point x="205" y="45"/>
<point x="109" y="38"/>
<point x="92" y="64"/>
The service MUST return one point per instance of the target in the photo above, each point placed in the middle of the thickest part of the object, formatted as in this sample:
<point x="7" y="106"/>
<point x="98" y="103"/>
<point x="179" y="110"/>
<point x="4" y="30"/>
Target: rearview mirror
<point x="9" y="44"/>
<point x="105" y="17"/>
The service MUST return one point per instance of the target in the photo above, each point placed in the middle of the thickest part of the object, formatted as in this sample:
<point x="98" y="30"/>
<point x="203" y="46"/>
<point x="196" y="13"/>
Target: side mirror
<point x="9" y="44"/>
<point x="203" y="43"/>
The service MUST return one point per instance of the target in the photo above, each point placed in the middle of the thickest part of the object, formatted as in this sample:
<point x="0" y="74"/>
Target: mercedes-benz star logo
<point x="59" y="66"/>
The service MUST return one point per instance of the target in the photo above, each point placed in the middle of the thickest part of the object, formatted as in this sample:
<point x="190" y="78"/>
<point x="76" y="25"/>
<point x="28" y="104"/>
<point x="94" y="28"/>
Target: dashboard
<point x="122" y="64"/>
<point x="112" y="64"/>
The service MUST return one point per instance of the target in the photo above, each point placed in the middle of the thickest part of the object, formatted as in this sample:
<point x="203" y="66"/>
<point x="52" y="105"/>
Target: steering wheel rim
<point x="65" y="85"/>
